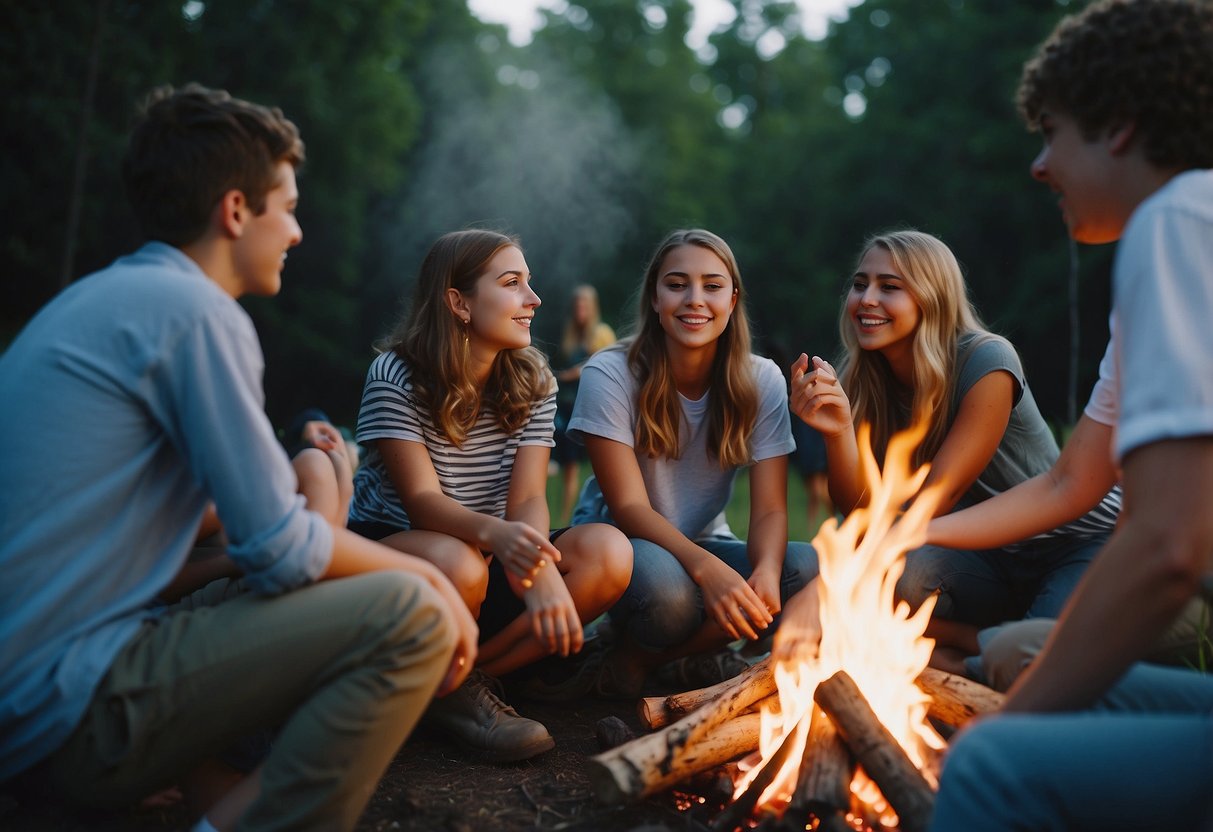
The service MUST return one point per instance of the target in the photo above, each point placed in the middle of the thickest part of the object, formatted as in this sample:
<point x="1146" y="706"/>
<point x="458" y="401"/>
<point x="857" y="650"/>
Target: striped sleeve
<point x="389" y="409"/>
<point x="541" y="427"/>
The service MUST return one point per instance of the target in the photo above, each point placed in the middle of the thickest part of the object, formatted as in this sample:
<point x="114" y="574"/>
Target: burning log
<point x="735" y="813"/>
<point x="659" y="711"/>
<point x="658" y="761"/>
<point x="903" y="786"/>
<point x="823" y="785"/>
<point x="954" y="699"/>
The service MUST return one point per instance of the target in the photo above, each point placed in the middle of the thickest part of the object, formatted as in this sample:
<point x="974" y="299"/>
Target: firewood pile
<point x="696" y="731"/>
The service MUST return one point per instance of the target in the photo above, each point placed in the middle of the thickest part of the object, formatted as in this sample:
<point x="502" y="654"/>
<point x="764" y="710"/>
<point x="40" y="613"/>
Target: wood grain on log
<point x="658" y="761"/>
<point x="659" y="711"/>
<point x="877" y="751"/>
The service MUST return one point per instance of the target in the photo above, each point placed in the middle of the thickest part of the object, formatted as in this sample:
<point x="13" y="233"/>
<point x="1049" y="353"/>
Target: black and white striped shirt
<point x="476" y="475"/>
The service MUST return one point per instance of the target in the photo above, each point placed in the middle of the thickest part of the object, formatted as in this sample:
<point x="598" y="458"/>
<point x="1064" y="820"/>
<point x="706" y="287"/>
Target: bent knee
<point x="799" y="568"/>
<point x="1010" y="649"/>
<point x="612" y="556"/>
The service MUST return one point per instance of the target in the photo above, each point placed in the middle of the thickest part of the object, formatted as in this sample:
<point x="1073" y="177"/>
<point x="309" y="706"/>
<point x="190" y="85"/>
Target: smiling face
<point x="1082" y="173"/>
<point x="879" y="305"/>
<point x="694" y="297"/>
<point x="500" y="310"/>
<point x="259" y="254"/>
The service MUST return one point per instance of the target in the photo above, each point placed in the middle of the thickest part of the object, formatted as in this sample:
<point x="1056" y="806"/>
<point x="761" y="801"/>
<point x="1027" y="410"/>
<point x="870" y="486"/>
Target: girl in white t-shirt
<point x="457" y="413"/>
<point x="668" y="417"/>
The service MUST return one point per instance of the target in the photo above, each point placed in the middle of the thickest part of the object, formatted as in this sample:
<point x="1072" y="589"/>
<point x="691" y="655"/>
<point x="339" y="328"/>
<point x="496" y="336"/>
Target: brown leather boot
<point x="475" y="717"/>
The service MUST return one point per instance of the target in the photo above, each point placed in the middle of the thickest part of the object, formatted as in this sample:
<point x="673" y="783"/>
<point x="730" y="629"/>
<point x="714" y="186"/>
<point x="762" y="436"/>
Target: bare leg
<point x="461" y="562"/>
<point x="596" y="563"/>
<point x="325" y="482"/>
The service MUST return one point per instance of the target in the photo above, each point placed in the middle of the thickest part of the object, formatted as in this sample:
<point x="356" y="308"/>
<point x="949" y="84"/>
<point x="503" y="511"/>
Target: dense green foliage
<point x="591" y="142"/>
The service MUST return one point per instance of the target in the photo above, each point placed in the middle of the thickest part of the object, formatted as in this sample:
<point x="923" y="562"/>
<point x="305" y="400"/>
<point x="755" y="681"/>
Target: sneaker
<point x="701" y="670"/>
<point x="590" y="673"/>
<point x="474" y="715"/>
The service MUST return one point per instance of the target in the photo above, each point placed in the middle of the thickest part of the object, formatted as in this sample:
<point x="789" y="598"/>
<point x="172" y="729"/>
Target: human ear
<point x="232" y="211"/>
<point x="458" y="305"/>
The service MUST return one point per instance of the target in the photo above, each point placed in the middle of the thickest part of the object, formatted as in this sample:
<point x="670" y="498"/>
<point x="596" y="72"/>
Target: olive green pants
<point x="1008" y="649"/>
<point x="342" y="669"/>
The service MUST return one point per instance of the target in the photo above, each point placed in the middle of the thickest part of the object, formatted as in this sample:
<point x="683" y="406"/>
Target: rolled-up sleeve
<point x="219" y="424"/>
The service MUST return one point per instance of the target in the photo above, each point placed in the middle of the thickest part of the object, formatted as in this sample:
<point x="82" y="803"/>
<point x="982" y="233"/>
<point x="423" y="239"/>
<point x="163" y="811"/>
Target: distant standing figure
<point x="584" y="335"/>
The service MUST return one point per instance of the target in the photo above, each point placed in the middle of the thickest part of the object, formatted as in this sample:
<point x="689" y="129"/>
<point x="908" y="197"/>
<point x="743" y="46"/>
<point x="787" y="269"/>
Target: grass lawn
<point x="737" y="511"/>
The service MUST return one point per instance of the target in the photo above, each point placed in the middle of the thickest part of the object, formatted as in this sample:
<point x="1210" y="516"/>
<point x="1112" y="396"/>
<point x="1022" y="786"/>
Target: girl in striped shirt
<point x="457" y="414"/>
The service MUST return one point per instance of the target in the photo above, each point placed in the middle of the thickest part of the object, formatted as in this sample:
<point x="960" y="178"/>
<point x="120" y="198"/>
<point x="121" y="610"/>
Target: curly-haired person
<point x="1091" y="738"/>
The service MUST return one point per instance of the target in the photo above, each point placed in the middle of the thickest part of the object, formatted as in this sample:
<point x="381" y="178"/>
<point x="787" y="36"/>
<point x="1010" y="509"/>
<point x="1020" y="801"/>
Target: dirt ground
<point x="434" y="786"/>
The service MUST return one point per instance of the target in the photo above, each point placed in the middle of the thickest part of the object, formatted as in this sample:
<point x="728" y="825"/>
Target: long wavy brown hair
<point x="733" y="392"/>
<point x="433" y="342"/>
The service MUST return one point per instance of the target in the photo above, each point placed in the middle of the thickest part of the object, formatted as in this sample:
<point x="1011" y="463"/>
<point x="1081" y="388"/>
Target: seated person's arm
<point x="520" y="546"/>
<point x="554" y="618"/>
<point x="973" y="438"/>
<point x="1078" y="480"/>
<point x="1136" y="587"/>
<point x="728" y="599"/>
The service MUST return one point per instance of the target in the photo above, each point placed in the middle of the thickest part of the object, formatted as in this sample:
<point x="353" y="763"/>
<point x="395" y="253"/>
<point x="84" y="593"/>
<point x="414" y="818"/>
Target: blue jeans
<point x="1150" y="767"/>
<point x="663" y="607"/>
<point x="991" y="586"/>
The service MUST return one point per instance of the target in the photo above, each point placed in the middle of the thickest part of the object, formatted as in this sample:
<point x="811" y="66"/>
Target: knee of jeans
<point x="977" y="763"/>
<point x="799" y="567"/>
<point x="919" y="582"/>
<point x="666" y="616"/>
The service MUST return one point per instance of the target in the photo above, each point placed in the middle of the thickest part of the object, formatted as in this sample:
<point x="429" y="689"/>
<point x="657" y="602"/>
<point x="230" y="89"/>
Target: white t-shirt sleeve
<point x="1102" y="406"/>
<point x="605" y="399"/>
<point x="773" y="430"/>
<point x="1164" y="300"/>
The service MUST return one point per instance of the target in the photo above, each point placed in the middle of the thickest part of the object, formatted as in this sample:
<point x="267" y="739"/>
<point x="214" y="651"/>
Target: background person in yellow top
<point x="585" y="333"/>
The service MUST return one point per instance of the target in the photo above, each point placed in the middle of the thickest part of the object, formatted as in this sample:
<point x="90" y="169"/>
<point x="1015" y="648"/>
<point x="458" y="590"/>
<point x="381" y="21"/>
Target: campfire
<point x="840" y="739"/>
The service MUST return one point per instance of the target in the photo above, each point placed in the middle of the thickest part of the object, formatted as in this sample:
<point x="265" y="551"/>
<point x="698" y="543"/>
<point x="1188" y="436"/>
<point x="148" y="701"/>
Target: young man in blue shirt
<point x="132" y="401"/>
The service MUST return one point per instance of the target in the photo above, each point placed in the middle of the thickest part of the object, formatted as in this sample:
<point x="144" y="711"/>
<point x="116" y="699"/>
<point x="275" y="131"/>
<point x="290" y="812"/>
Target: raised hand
<point x="817" y="397"/>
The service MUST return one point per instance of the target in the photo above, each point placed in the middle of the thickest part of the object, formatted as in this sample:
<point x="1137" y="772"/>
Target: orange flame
<point x="863" y="631"/>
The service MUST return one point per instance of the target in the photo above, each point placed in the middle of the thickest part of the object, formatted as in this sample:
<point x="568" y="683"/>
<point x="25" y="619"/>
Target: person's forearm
<point x="767" y="540"/>
<point x="437" y="512"/>
<point x="1034" y="506"/>
<point x="642" y="521"/>
<point x="1139" y="583"/>
<point x="845" y="476"/>
<point x="354" y="554"/>
<point x="1079" y="479"/>
<point x="533" y="511"/>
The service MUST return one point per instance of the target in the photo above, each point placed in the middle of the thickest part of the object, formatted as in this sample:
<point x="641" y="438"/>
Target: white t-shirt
<point x="692" y="491"/>
<point x="1162" y="337"/>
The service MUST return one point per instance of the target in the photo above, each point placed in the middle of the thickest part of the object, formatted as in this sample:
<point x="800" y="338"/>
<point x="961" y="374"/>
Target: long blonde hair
<point x="935" y="282"/>
<point x="733" y="392"/>
<point x="433" y="342"/>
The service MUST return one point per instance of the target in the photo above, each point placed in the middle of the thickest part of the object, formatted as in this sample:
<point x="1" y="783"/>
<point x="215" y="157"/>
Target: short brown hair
<point x="191" y="146"/>
<point x="1149" y="62"/>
